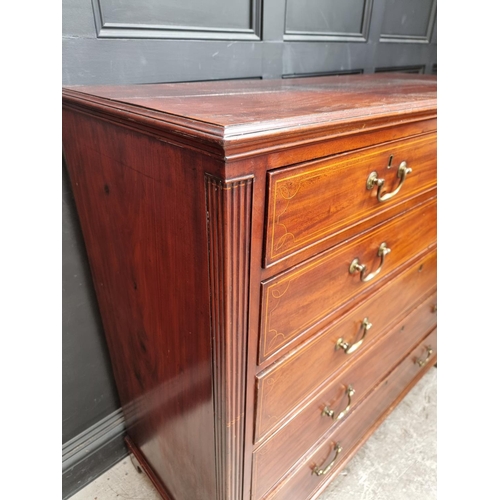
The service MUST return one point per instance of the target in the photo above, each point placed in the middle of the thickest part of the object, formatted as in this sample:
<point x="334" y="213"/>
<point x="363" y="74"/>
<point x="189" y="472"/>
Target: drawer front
<point x="351" y="433"/>
<point x="312" y="202"/>
<point x="278" y="454"/>
<point x="287" y="383"/>
<point x="294" y="301"/>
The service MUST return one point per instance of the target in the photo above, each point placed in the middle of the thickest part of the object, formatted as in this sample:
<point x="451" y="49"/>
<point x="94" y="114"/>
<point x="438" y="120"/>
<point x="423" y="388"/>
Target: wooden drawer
<point x="287" y="383"/>
<point x="319" y="359"/>
<point x="274" y="457"/>
<point x="352" y="432"/>
<point x="278" y="454"/>
<point x="287" y="312"/>
<point x="318" y="200"/>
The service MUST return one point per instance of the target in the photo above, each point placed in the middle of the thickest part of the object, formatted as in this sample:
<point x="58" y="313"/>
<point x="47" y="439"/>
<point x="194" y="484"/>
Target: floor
<point x="398" y="462"/>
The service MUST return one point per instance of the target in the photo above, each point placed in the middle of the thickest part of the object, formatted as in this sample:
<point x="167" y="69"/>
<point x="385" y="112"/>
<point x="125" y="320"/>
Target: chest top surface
<point x="237" y="110"/>
<point x="271" y="103"/>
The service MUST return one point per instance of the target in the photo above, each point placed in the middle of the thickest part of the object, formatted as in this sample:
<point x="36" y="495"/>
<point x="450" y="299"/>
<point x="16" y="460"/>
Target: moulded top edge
<point x="234" y="110"/>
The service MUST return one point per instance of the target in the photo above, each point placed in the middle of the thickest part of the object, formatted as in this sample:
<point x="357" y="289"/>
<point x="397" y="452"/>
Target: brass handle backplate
<point x="373" y="180"/>
<point x="349" y="348"/>
<point x="423" y="362"/>
<point x="357" y="267"/>
<point x="328" y="468"/>
<point x="330" y="413"/>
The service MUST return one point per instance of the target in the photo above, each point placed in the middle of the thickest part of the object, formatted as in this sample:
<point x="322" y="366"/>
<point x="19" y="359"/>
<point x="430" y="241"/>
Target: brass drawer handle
<point x="348" y="348"/>
<point x="328" y="468"/>
<point x="423" y="362"/>
<point x="356" y="267"/>
<point x="373" y="180"/>
<point x="330" y="413"/>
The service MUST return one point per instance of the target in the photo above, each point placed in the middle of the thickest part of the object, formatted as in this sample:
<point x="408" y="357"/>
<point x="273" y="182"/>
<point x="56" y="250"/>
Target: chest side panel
<point x="141" y="204"/>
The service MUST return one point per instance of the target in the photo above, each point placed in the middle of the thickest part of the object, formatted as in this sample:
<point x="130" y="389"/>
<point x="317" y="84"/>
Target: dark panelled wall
<point x="151" y="41"/>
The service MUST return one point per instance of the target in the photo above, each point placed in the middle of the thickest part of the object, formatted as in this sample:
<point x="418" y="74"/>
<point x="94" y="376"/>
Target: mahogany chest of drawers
<point x="264" y="257"/>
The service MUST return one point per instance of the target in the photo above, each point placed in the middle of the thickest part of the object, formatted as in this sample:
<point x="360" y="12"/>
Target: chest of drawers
<point x="264" y="258"/>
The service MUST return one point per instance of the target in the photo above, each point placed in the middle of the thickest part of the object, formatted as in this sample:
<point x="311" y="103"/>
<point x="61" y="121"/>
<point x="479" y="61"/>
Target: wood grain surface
<point x="247" y="117"/>
<point x="277" y="455"/>
<point x="352" y="433"/>
<point x="148" y="269"/>
<point x="172" y="188"/>
<point x="229" y="213"/>
<point x="270" y="104"/>
<point x="287" y="312"/>
<point x="311" y="202"/>
<point x="282" y="387"/>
